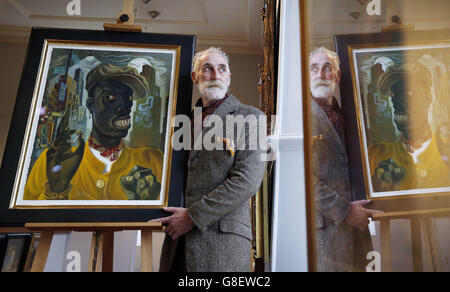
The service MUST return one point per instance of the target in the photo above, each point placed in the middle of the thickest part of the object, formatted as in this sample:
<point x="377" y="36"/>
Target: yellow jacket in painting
<point x="429" y="172"/>
<point x="90" y="182"/>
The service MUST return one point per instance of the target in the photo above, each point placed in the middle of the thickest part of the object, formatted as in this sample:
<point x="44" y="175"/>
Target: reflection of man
<point x="103" y="168"/>
<point x="216" y="221"/>
<point x="414" y="161"/>
<point x="340" y="223"/>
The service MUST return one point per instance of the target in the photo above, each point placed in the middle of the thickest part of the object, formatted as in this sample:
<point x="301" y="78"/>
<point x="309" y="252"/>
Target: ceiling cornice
<point x="14" y="34"/>
<point x="20" y="35"/>
<point x="112" y="20"/>
<point x="233" y="50"/>
<point x="199" y="5"/>
<point x="379" y="21"/>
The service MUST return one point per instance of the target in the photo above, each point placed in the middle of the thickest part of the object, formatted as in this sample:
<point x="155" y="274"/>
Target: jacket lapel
<point x="229" y="106"/>
<point x="325" y="127"/>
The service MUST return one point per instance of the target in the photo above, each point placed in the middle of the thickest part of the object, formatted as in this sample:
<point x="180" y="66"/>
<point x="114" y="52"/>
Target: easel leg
<point x="95" y="257"/>
<point x="385" y="238"/>
<point x="108" y="252"/>
<point x="146" y="251"/>
<point x="416" y="238"/>
<point x="41" y="256"/>
<point x="431" y="244"/>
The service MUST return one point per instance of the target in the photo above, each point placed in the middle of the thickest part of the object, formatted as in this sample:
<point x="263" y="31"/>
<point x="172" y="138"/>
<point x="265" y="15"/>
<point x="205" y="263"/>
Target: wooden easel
<point x="420" y="224"/>
<point x="126" y="19"/>
<point x="106" y="245"/>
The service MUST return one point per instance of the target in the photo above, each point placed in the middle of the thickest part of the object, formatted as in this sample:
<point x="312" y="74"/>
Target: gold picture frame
<point x="369" y="63"/>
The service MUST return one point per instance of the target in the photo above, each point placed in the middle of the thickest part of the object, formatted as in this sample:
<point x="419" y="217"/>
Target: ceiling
<point x="331" y="17"/>
<point x="234" y="25"/>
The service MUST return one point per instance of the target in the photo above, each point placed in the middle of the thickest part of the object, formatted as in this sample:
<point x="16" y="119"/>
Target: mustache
<point x="321" y="82"/>
<point x="215" y="83"/>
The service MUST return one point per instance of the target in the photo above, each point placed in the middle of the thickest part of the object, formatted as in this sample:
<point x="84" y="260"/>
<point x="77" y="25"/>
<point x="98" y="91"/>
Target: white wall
<point x="12" y="59"/>
<point x="289" y="237"/>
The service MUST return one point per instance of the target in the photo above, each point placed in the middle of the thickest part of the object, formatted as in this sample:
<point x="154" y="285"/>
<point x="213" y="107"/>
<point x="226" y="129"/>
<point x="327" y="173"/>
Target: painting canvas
<point x="403" y="106"/>
<point x="92" y="127"/>
<point x="64" y="110"/>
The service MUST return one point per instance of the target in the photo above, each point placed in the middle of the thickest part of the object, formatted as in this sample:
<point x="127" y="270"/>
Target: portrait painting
<point x="92" y="129"/>
<point x="402" y="105"/>
<point x="98" y="126"/>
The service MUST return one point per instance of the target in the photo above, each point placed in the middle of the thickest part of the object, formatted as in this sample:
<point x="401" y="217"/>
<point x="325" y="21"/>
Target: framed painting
<point x="395" y="95"/>
<point x="90" y="137"/>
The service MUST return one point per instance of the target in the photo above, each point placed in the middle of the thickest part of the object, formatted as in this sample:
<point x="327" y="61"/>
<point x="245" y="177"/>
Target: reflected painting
<point x="403" y="108"/>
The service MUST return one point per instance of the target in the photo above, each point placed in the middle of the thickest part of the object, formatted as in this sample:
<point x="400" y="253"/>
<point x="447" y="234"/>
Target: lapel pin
<point x="229" y="143"/>
<point x="317" y="138"/>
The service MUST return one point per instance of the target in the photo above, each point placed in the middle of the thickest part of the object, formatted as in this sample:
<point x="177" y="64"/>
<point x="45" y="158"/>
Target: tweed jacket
<point x="334" y="238"/>
<point x="219" y="186"/>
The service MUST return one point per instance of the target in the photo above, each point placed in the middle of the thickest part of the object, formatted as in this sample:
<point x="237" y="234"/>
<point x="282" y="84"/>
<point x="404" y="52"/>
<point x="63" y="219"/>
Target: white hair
<point x="200" y="55"/>
<point x="333" y="55"/>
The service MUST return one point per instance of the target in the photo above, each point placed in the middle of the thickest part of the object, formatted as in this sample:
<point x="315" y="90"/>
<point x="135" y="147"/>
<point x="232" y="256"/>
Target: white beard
<point x="322" y="88"/>
<point x="213" y="90"/>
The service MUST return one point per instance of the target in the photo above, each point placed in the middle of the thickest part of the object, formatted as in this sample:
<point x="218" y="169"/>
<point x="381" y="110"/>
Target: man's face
<point x="323" y="75"/>
<point x="111" y="107"/>
<point x="213" y="76"/>
<point x="411" y="102"/>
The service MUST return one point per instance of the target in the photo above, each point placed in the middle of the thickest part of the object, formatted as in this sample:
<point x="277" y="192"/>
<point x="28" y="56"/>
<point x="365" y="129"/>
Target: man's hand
<point x="62" y="163"/>
<point x="178" y="224"/>
<point x="358" y="216"/>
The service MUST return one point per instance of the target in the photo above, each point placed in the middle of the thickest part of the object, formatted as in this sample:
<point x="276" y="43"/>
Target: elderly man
<point x="103" y="168"/>
<point x="213" y="233"/>
<point x="337" y="218"/>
